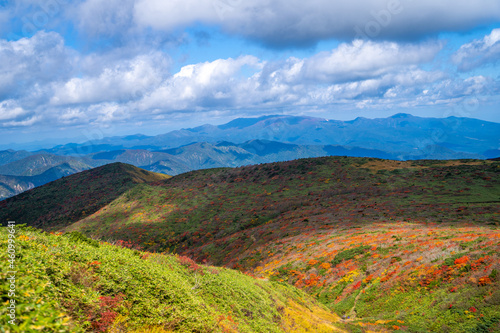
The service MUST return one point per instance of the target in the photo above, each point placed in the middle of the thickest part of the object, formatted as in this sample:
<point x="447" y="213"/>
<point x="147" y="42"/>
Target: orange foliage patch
<point x="461" y="260"/>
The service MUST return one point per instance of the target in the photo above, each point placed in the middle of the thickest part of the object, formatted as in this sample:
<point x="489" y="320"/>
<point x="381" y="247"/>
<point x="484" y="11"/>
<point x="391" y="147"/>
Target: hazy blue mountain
<point x="401" y="134"/>
<point x="265" y="139"/>
<point x="39" y="163"/>
<point x="8" y="156"/>
<point x="13" y="185"/>
<point x="492" y="153"/>
<point x="203" y="155"/>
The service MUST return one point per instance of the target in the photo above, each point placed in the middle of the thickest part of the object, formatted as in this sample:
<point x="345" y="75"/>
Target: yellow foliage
<point x="299" y="319"/>
<point x="120" y="325"/>
<point x="349" y="276"/>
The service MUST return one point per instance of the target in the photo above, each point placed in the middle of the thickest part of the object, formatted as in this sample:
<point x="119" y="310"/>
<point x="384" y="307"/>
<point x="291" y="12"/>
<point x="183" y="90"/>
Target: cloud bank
<point x="74" y="63"/>
<point x="62" y="86"/>
<point x="284" y="23"/>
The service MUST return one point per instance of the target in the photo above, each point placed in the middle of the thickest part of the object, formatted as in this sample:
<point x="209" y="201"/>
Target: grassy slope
<point x="362" y="235"/>
<point x="272" y="220"/>
<point x="71" y="198"/>
<point x="70" y="283"/>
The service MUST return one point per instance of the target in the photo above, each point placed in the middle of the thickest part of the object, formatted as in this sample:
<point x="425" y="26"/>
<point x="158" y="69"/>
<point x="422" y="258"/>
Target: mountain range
<point x="265" y="139"/>
<point x="397" y="134"/>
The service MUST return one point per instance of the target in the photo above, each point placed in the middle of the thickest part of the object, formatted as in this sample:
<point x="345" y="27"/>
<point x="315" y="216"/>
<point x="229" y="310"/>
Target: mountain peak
<point x="244" y="122"/>
<point x="401" y="115"/>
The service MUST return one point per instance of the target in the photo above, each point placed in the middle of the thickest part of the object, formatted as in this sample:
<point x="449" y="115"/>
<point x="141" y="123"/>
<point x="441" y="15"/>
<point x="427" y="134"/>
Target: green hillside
<point x="215" y="206"/>
<point x="69" y="283"/>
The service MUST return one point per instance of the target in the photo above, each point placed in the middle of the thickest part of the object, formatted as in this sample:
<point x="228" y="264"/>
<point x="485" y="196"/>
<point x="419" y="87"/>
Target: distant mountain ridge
<point x="401" y="134"/>
<point x="8" y="156"/>
<point x="11" y="185"/>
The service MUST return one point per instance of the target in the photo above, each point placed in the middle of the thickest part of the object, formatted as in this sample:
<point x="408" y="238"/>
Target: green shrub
<point x="77" y="236"/>
<point x="349" y="254"/>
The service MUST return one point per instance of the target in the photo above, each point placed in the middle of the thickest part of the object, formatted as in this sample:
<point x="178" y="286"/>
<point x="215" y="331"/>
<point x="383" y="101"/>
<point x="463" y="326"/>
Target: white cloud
<point x="13" y="115"/>
<point x="10" y="110"/>
<point x="39" y="59"/>
<point x="127" y="80"/>
<point x="22" y="123"/>
<point x="325" y="78"/>
<point x="478" y="52"/>
<point x="47" y="83"/>
<point x="200" y="85"/>
<point x="361" y="60"/>
<point x="471" y="86"/>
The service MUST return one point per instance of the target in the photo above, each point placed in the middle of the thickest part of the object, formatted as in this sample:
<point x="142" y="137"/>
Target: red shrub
<point x="190" y="263"/>
<point x="106" y="316"/>
<point x="484" y="281"/>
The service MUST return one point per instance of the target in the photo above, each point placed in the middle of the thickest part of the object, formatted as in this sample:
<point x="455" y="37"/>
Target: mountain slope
<point x="73" y="284"/>
<point x="8" y="156"/>
<point x="73" y="197"/>
<point x="12" y="185"/>
<point x="362" y="235"/>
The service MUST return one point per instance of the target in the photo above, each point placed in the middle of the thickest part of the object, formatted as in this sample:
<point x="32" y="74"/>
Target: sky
<point x="86" y="69"/>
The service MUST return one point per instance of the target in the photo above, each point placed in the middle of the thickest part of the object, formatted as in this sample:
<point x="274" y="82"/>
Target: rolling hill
<point x="71" y="198"/>
<point x="361" y="235"/>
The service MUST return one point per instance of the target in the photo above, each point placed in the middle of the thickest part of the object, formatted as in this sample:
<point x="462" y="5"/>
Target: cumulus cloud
<point x="478" y="52"/>
<point x="200" y="85"/>
<point x="127" y="80"/>
<point x="471" y="86"/>
<point x="361" y="60"/>
<point x="29" y="61"/>
<point x="13" y="115"/>
<point x="281" y="23"/>
<point x="10" y="110"/>
<point x="328" y="77"/>
<point x="45" y="82"/>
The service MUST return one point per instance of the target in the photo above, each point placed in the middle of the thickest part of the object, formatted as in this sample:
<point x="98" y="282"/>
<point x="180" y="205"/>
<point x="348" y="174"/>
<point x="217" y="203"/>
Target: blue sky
<point x="80" y="70"/>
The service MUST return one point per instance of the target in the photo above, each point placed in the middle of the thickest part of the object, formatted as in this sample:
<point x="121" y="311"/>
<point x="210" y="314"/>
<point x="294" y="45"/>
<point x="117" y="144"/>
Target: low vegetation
<point x="69" y="283"/>
<point x="388" y="245"/>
